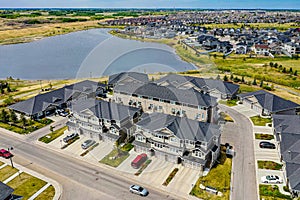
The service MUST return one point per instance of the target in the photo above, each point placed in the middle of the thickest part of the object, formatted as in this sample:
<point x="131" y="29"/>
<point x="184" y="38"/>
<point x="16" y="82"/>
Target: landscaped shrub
<point x="170" y="177"/>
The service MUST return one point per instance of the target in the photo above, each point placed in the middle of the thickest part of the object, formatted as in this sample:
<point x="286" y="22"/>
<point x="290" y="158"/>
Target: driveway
<point x="240" y="135"/>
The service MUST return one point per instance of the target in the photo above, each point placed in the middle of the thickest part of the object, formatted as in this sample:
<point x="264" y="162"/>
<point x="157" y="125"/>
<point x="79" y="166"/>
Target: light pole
<point x="10" y="158"/>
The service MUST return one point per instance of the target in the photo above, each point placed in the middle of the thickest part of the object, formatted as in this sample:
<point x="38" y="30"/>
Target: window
<point x="197" y="116"/>
<point x="139" y="138"/>
<point x="173" y="139"/>
<point x="150" y="106"/>
<point x="159" y="107"/>
<point x="173" y="102"/>
<point x="202" y="115"/>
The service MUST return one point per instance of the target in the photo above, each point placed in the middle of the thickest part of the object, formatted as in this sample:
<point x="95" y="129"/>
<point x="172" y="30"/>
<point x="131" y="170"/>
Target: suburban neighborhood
<point x="150" y="100"/>
<point x="156" y="119"/>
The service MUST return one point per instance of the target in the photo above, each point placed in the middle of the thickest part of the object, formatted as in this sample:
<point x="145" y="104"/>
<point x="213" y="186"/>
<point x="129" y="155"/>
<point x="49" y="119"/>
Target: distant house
<point x="169" y="100"/>
<point x="178" y="140"/>
<point x="215" y="88"/>
<point x="127" y="77"/>
<point x="292" y="48"/>
<point x="262" y="49"/>
<point x="46" y="104"/>
<point x="6" y="193"/>
<point x="102" y="120"/>
<point x="266" y="103"/>
<point x="287" y="132"/>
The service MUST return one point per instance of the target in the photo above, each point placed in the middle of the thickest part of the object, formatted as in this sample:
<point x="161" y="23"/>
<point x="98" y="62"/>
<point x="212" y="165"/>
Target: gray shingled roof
<point x="201" y="83"/>
<point x="191" y="96"/>
<point x="104" y="109"/>
<point x="5" y="191"/>
<point x="40" y="102"/>
<point x="270" y="101"/>
<point x="181" y="127"/>
<point x="115" y="78"/>
<point x="289" y="128"/>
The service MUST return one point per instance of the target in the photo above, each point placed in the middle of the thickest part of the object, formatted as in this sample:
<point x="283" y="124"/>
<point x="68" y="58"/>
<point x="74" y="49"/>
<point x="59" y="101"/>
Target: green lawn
<point x="52" y="136"/>
<point x="26" y="185"/>
<point x="1" y="163"/>
<point x="114" y="159"/>
<point x="260" y="121"/>
<point x="127" y="147"/>
<point x="265" y="164"/>
<point x="226" y="117"/>
<point x="261" y="136"/>
<point x="270" y="192"/>
<point x="30" y="127"/>
<point x="218" y="177"/>
<point x="46" y="194"/>
<point x="229" y="102"/>
<point x="6" y="172"/>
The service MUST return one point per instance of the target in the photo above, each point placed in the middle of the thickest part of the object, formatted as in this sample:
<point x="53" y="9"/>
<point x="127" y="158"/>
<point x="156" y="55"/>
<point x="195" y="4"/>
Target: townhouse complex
<point x="174" y="118"/>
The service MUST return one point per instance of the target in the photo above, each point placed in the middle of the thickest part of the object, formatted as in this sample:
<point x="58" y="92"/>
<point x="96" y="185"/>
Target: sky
<point x="215" y="4"/>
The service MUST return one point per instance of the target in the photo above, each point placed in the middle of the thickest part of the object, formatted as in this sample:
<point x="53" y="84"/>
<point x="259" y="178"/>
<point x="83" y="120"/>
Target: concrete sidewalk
<point x="56" y="185"/>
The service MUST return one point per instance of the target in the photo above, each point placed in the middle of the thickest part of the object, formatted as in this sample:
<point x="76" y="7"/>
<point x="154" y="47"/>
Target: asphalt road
<point x="240" y="135"/>
<point x="79" y="180"/>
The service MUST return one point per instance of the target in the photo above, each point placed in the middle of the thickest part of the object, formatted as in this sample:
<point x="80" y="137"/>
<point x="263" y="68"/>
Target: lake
<point x="90" y="53"/>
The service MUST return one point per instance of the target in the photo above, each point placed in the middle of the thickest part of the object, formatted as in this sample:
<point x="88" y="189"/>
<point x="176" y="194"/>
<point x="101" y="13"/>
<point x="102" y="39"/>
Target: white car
<point x="138" y="190"/>
<point x="271" y="179"/>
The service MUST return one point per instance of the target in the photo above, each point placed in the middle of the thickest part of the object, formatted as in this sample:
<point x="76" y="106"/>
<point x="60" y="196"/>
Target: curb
<point x="56" y="185"/>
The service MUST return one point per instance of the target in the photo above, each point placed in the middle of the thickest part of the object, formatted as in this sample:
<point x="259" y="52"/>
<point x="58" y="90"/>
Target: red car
<point x="5" y="154"/>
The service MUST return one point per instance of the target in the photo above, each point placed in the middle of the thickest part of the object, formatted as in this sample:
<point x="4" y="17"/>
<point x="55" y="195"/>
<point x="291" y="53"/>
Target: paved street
<point x="240" y="135"/>
<point x="80" y="180"/>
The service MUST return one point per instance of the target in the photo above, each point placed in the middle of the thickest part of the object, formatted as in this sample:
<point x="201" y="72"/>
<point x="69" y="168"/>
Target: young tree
<point x="291" y="70"/>
<point x="23" y="119"/>
<point x="225" y="78"/>
<point x="254" y="82"/>
<point x="284" y="70"/>
<point x="218" y="77"/>
<point x="275" y="65"/>
<point x="8" y="89"/>
<point x="4" y="116"/>
<point x="231" y="77"/>
<point x="51" y="128"/>
<point x="296" y="73"/>
<point x="271" y="64"/>
<point x="261" y="84"/>
<point x="243" y="79"/>
<point x="13" y="117"/>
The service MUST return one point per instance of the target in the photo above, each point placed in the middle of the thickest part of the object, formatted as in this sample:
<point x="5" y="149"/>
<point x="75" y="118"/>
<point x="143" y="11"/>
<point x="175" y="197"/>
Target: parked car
<point x="271" y="179"/>
<point x="5" y="154"/>
<point x="138" y="190"/>
<point x="267" y="145"/>
<point x="70" y="137"/>
<point x="63" y="114"/>
<point x="139" y="160"/>
<point x="87" y="143"/>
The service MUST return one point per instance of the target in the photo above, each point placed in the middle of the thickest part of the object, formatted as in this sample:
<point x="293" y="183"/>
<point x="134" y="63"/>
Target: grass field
<point x="265" y="164"/>
<point x="261" y="136"/>
<point x="26" y="185"/>
<point x="218" y="177"/>
<point x="6" y="172"/>
<point x="52" y="136"/>
<point x="260" y="121"/>
<point x="114" y="159"/>
<point x="271" y="192"/>
<point x="46" y="194"/>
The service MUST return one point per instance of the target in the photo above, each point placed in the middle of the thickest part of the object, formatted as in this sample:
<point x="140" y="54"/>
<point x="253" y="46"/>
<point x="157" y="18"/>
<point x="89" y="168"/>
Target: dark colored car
<point x="5" y="154"/>
<point x="70" y="137"/>
<point x="267" y="145"/>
